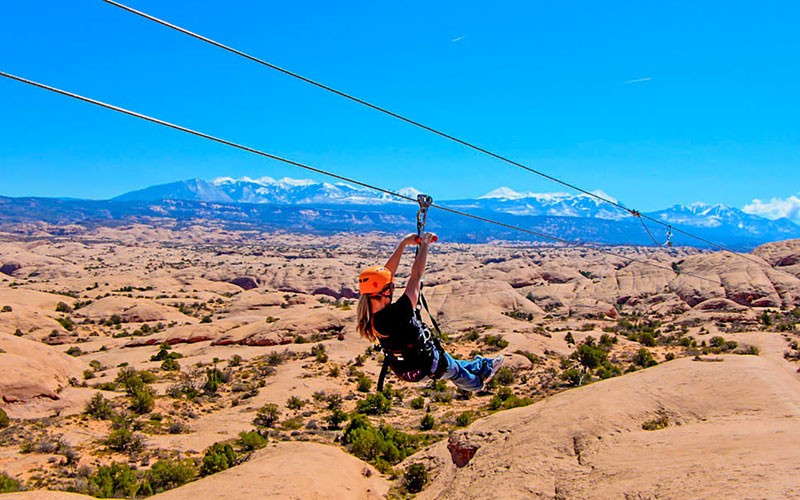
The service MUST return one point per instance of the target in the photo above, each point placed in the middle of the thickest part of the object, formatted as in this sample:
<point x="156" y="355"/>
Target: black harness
<point x="410" y="362"/>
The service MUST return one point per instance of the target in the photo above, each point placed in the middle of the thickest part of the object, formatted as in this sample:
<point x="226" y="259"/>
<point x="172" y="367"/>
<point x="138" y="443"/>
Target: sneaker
<point x="494" y="365"/>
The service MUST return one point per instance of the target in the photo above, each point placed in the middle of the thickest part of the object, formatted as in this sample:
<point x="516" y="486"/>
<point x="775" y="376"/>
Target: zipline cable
<point x="415" y="123"/>
<point x="331" y="174"/>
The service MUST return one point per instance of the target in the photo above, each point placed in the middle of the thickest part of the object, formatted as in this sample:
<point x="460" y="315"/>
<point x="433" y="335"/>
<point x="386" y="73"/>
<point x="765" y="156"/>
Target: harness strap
<point x="384" y="370"/>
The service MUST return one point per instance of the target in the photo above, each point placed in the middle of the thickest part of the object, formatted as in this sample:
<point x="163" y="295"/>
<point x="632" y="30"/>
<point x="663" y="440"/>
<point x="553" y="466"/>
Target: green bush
<point x="218" y="457"/>
<point x="364" y="383"/>
<point x="465" y="418"/>
<point x="122" y="438"/>
<point x="383" y="446"/>
<point x="8" y="484"/>
<point x="167" y="474"/>
<point x="416" y="477"/>
<point x="661" y="422"/>
<point x="374" y="404"/>
<point x="113" y="481"/>
<point x="4" y="421"/>
<point x="427" y="423"/>
<point x="644" y="358"/>
<point x="63" y="307"/>
<point x="295" y="403"/>
<point x="335" y="419"/>
<point x="171" y="365"/>
<point x="589" y="354"/>
<point x="99" y="407"/>
<point x="573" y="377"/>
<point x="142" y="396"/>
<point x="267" y="415"/>
<point x="319" y="353"/>
<point x="251" y="441"/>
<point x="417" y="403"/>
<point x="505" y="376"/>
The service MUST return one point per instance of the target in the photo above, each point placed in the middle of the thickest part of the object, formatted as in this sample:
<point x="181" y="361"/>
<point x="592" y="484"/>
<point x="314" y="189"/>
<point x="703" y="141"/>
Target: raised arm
<point x="418" y="269"/>
<point x="394" y="260"/>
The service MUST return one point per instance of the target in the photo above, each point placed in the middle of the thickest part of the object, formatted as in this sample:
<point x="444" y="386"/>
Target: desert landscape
<point x="148" y="360"/>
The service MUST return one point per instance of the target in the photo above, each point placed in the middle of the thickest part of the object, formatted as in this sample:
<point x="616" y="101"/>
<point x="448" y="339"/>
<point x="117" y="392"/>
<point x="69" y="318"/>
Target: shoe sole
<point x="496" y="365"/>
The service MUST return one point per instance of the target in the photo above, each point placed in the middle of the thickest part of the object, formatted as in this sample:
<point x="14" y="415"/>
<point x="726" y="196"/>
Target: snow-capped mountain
<point x="581" y="216"/>
<point x="194" y="190"/>
<point x="719" y="216"/>
<point x="508" y="201"/>
<point x="286" y="191"/>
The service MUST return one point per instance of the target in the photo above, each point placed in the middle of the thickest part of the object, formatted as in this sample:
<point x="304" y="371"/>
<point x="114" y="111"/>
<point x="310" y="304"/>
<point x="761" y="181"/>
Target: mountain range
<point x="322" y="208"/>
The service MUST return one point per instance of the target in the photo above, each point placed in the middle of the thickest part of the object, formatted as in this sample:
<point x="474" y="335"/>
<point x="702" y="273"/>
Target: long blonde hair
<point x="364" y="316"/>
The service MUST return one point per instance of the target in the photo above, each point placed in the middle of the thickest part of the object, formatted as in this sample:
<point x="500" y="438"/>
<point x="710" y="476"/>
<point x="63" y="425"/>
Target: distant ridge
<point x="307" y="206"/>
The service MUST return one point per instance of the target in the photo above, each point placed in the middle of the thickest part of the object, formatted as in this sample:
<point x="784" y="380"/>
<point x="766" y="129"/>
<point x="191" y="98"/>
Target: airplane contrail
<point x="639" y="80"/>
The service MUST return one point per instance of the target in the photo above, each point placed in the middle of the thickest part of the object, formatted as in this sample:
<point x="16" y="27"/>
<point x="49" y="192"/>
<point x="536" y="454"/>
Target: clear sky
<point x="653" y="102"/>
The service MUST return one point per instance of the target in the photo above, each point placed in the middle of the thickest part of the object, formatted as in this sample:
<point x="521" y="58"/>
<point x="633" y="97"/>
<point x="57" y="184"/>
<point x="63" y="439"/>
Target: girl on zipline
<point x="411" y="350"/>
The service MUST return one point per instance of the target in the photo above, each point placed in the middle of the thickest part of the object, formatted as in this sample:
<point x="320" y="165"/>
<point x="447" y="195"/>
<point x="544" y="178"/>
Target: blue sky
<point x="655" y="103"/>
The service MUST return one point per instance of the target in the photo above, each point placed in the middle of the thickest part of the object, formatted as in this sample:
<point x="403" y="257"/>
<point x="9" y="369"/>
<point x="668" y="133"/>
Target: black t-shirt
<point x="406" y="337"/>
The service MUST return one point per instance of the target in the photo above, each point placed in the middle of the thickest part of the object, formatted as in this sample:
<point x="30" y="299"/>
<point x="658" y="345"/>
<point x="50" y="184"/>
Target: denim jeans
<point x="465" y="374"/>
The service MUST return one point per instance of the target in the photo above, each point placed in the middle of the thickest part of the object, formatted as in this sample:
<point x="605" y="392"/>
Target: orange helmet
<point x="373" y="279"/>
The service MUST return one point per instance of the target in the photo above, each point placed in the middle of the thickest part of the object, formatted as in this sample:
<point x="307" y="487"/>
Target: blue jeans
<point x="465" y="375"/>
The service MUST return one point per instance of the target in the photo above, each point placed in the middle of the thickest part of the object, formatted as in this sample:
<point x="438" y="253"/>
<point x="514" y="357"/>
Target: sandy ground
<point x="76" y="311"/>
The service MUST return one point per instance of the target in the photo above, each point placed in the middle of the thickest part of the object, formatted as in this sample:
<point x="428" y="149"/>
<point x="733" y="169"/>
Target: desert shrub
<point x="533" y="358"/>
<point x="417" y="403"/>
<point x="8" y="484"/>
<point x="177" y="428"/>
<point x="608" y="369"/>
<point x="669" y="356"/>
<point x="214" y="378"/>
<point x="113" y="481"/>
<point x="495" y="342"/>
<point x="6" y="309"/>
<point x="589" y="354"/>
<point x="335" y="419"/>
<point x="374" y="404"/>
<point x="165" y="352"/>
<point x="74" y="351"/>
<point x="67" y="323"/>
<point x="364" y="383"/>
<point x="644" y="358"/>
<point x="171" y="365"/>
<point x="122" y="438"/>
<point x="505" y="376"/>
<point x="505" y="399"/>
<point x="573" y="377"/>
<point x="185" y="387"/>
<point x="235" y="360"/>
<point x="717" y="341"/>
<point x="218" y="457"/>
<point x="569" y="338"/>
<point x="661" y="422"/>
<point x="167" y="474"/>
<point x="4" y="421"/>
<point x="142" y="396"/>
<point x="465" y="418"/>
<point x="383" y="446"/>
<point x="295" y="403"/>
<point x="63" y="307"/>
<point x="415" y="478"/>
<point x="745" y="349"/>
<point x="427" y="423"/>
<point x="267" y="415"/>
<point x="319" y="353"/>
<point x="251" y="441"/>
<point x="99" y="407"/>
